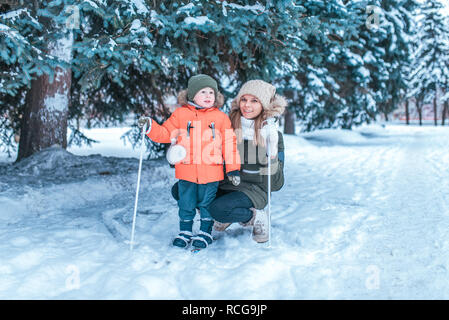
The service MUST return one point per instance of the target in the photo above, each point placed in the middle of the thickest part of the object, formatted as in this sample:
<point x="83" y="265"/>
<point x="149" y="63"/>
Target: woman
<point x="252" y="116"/>
<point x="256" y="102"/>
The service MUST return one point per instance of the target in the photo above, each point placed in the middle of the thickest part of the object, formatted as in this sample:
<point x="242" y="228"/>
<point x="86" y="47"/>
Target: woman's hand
<point x="270" y="134"/>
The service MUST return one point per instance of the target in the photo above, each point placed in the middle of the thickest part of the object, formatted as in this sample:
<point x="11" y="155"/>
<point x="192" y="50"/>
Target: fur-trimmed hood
<point x="182" y="99"/>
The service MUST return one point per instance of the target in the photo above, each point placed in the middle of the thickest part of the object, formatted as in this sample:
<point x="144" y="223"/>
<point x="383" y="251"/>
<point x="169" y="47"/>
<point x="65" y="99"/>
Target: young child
<point x="207" y="136"/>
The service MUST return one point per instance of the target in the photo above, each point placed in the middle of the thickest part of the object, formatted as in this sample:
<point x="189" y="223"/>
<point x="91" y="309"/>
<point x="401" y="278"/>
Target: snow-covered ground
<point x="362" y="215"/>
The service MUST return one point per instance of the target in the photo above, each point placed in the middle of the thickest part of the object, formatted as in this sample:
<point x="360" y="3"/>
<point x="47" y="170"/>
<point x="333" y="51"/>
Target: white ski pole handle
<point x="138" y="187"/>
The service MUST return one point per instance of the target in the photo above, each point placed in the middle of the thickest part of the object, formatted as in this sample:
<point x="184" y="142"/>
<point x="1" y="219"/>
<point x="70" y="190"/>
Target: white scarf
<point x="247" y="128"/>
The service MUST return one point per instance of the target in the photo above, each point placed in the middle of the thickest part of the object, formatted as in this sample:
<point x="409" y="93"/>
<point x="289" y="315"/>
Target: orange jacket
<point x="209" y="140"/>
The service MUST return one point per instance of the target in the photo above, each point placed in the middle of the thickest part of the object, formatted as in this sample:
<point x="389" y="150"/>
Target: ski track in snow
<point x="362" y="215"/>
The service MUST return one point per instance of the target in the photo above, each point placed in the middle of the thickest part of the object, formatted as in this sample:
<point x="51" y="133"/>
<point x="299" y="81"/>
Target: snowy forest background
<point x="339" y="63"/>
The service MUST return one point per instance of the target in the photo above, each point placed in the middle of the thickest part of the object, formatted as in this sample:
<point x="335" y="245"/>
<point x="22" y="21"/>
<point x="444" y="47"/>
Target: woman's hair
<point x="235" y="116"/>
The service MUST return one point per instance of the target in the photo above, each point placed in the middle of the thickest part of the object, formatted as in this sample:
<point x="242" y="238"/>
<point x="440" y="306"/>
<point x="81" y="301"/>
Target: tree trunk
<point x="44" y="122"/>
<point x="407" y="112"/>
<point x="420" y="115"/>
<point x="444" y="113"/>
<point x="419" y="109"/>
<point x="435" y="107"/>
<point x="289" y="122"/>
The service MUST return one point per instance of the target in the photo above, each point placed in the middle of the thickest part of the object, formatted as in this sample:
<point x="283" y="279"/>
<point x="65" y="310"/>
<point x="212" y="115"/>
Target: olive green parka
<point x="254" y="172"/>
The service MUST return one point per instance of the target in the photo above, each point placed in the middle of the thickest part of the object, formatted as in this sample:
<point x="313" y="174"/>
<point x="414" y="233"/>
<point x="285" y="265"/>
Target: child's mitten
<point x="175" y="152"/>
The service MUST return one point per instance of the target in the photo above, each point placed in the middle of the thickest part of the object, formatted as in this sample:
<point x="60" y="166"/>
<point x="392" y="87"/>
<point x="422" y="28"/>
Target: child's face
<point x="205" y="97"/>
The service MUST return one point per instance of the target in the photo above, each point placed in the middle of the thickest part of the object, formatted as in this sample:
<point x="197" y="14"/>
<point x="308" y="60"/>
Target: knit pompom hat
<point x="272" y="103"/>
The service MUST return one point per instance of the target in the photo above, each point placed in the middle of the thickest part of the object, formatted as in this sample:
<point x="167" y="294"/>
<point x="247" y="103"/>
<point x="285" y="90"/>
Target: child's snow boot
<point x="204" y="236"/>
<point x="184" y="237"/>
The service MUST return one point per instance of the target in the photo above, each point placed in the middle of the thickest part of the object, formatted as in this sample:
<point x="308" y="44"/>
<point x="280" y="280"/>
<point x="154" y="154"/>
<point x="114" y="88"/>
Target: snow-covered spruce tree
<point x="116" y="70"/>
<point x="305" y="85"/>
<point x="412" y="86"/>
<point x="113" y="70"/>
<point x="44" y="121"/>
<point x="124" y="63"/>
<point x="385" y="50"/>
<point x="432" y="57"/>
<point x="444" y="80"/>
<point x="233" y="42"/>
<point x="350" y="80"/>
<point x="130" y="55"/>
<point x="161" y="44"/>
<point x="20" y="59"/>
<point x="400" y="26"/>
<point x="17" y="52"/>
<point x="351" y="65"/>
<point x="87" y="29"/>
<point x="331" y="79"/>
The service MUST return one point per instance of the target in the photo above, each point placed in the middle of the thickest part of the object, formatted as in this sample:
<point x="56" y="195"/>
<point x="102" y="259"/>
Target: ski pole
<point x="138" y="186"/>
<point x="269" y="193"/>
<point x="270" y="121"/>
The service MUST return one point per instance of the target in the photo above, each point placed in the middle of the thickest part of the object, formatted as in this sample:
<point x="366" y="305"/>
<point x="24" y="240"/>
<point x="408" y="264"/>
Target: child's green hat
<point x="198" y="82"/>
